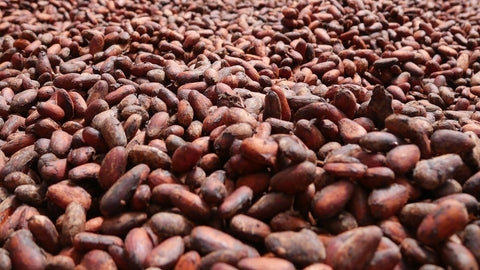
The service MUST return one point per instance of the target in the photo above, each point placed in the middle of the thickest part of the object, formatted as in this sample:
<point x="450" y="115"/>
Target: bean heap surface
<point x="256" y="134"/>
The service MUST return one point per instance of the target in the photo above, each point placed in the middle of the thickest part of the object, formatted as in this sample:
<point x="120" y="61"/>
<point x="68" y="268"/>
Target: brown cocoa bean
<point x="44" y="232"/>
<point x="206" y="239"/>
<point x="412" y="214"/>
<point x="190" y="204"/>
<point x="166" y="254"/>
<point x="354" y="248"/>
<point x="387" y="255"/>
<point x="228" y="256"/>
<point x="170" y="224"/>
<point x="60" y="262"/>
<point x="138" y="246"/>
<point x="188" y="261"/>
<point x="269" y="205"/>
<point x="24" y="253"/>
<point x="288" y="221"/>
<point x="415" y="253"/>
<point x="448" y="141"/>
<point x="96" y="259"/>
<point x="264" y="263"/>
<point x="403" y="158"/>
<point x="113" y="167"/>
<point x="150" y="156"/>
<point x="86" y="241"/>
<point x="65" y="192"/>
<point x="73" y="222"/>
<point x="448" y="217"/>
<point x="84" y="171"/>
<point x="235" y="202"/>
<point x="331" y="199"/>
<point x="379" y="141"/>
<point x="80" y="155"/>
<point x="120" y="225"/>
<point x="113" y="133"/>
<point x="431" y="173"/>
<point x="287" y="180"/>
<point x="113" y="202"/>
<point x="186" y="157"/>
<point x="458" y="256"/>
<point x="249" y="228"/>
<point x="293" y="246"/>
<point x="352" y="170"/>
<point x="386" y="202"/>
<point x="309" y="134"/>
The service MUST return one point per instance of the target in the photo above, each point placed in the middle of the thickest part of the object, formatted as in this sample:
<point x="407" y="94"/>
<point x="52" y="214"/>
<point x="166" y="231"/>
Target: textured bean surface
<point x="230" y="134"/>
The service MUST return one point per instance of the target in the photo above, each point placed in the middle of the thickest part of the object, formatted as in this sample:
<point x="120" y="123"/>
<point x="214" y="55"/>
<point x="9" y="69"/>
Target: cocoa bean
<point x="113" y="167"/>
<point x="403" y="158"/>
<point x="206" y="239"/>
<point x="150" y="156"/>
<point x="123" y="223"/>
<point x="235" y="202"/>
<point x="269" y="205"/>
<point x="166" y="254"/>
<point x="65" y="192"/>
<point x="458" y="256"/>
<point x="24" y="253"/>
<point x="59" y="262"/>
<point x="86" y="241"/>
<point x="73" y="223"/>
<point x="227" y="256"/>
<point x="44" y="232"/>
<point x="431" y="173"/>
<point x="387" y="201"/>
<point x="188" y="261"/>
<point x="96" y="259"/>
<point x="170" y="224"/>
<point x="330" y="200"/>
<point x="265" y="263"/>
<point x="448" y="217"/>
<point x="249" y="228"/>
<point x="287" y="180"/>
<point x="138" y="247"/>
<point x="293" y="246"/>
<point x="354" y="248"/>
<point x="122" y="190"/>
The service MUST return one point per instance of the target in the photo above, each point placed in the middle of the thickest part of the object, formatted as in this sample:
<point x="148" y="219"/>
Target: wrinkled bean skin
<point x="256" y="134"/>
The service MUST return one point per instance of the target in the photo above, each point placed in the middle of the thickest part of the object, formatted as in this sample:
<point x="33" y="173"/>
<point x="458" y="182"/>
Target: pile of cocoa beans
<point x="239" y="134"/>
